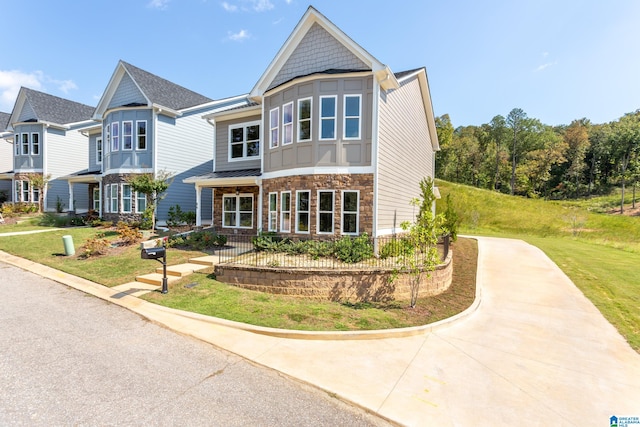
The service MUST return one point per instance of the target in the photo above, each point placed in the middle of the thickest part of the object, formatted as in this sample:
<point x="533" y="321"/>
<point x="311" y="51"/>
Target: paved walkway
<point x="534" y="352"/>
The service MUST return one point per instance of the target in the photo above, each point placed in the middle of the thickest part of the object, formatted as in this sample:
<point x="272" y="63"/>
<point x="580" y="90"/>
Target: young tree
<point x="498" y="133"/>
<point x="576" y="137"/>
<point x="153" y="187"/>
<point x="40" y="183"/>
<point x="625" y="139"/>
<point x="515" y="122"/>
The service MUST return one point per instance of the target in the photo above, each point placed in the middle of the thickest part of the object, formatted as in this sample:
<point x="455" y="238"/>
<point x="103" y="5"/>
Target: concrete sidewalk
<point x="534" y="352"/>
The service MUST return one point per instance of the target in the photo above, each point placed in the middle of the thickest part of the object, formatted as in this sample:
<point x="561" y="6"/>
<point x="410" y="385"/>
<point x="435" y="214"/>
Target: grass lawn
<point x="201" y="293"/>
<point x="598" y="251"/>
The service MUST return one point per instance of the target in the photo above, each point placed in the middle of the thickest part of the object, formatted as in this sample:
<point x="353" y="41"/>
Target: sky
<point x="558" y="60"/>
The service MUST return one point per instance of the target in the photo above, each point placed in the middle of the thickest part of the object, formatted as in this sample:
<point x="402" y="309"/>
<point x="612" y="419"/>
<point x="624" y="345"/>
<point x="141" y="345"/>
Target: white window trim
<point x="285" y="125"/>
<point x="345" y="117"/>
<point x="122" y="198"/>
<point x="334" y="118"/>
<point x="96" y="191"/>
<point x="274" y="213"/>
<point x="333" y="211"/>
<point x="32" y="143"/>
<point x="24" y="152"/>
<point x="115" y="147"/>
<point x="357" y="213"/>
<point x="298" y="212"/>
<point x="99" y="150"/>
<point x="146" y="133"/>
<point x="244" y="142"/>
<point x="310" y="99"/>
<point x="238" y="211"/>
<point x="16" y="143"/>
<point x="282" y="212"/>
<point x="139" y="196"/>
<point x="276" y="128"/>
<point x="124" y="135"/>
<point x="111" y="198"/>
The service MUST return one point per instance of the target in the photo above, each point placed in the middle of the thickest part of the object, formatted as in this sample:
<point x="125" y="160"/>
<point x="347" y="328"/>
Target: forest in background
<point x="519" y="155"/>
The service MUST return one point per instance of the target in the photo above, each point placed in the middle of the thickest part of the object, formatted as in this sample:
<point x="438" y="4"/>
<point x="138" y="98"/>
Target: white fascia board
<point x="166" y="111"/>
<point x="236" y="100"/>
<point x="223" y="182"/>
<point x="227" y="114"/>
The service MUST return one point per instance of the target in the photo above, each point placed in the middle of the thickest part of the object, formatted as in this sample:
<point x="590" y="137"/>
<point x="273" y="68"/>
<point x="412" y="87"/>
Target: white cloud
<point x="158" y="4"/>
<point x="229" y="7"/>
<point x="64" y="85"/>
<point x="544" y="66"/>
<point x="10" y="83"/>
<point x="239" y="36"/>
<point x="262" y="5"/>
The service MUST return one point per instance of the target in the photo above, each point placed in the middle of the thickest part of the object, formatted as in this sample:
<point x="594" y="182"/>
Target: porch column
<point x="70" y="196"/>
<point x="198" y="203"/>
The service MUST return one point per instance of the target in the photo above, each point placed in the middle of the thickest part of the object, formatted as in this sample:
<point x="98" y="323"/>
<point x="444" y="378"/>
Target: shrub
<point x="176" y="217"/>
<point x="269" y="242"/>
<point x="451" y="220"/>
<point x="198" y="240"/>
<point x="352" y="250"/>
<point x="128" y="234"/>
<point x="395" y="248"/>
<point x="95" y="246"/>
<point x="146" y="223"/>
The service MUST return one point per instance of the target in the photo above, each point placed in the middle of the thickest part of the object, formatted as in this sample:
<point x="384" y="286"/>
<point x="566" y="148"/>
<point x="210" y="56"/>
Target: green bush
<point x="199" y="240"/>
<point x="451" y="220"/>
<point x="176" y="217"/>
<point x="395" y="248"/>
<point x="351" y="250"/>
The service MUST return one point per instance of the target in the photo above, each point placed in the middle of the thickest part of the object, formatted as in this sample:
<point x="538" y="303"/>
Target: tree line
<point x="520" y="155"/>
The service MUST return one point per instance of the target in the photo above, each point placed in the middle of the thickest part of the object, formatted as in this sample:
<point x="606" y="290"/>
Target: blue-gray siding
<point x="127" y="93"/>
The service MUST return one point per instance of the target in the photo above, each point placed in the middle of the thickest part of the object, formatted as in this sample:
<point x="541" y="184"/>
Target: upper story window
<point x="99" y="150"/>
<point x="16" y="143"/>
<point x="244" y="141"/>
<point x="274" y="127"/>
<point x="141" y="128"/>
<point x="327" y="117"/>
<point x="127" y="135"/>
<point x="287" y="123"/>
<point x="25" y="144"/>
<point x="304" y="120"/>
<point x="352" y="113"/>
<point x="108" y="136"/>
<point x="115" y="136"/>
<point x="35" y="144"/>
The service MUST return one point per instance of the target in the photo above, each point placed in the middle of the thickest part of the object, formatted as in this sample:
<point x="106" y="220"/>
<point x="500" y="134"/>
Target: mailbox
<point x="153" y="253"/>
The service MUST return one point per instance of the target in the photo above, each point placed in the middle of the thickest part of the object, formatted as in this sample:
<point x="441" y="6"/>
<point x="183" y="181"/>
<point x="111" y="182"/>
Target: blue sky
<point x="558" y="60"/>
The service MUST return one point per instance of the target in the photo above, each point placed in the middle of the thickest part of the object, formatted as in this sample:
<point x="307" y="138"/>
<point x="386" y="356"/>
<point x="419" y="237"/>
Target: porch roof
<point x="224" y="178"/>
<point x="84" y="177"/>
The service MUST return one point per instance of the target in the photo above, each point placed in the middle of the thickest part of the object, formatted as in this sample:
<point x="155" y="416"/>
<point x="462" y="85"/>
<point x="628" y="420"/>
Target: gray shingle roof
<point x="163" y="92"/>
<point x="4" y="121"/>
<point x="49" y="108"/>
<point x="401" y="74"/>
<point x="230" y="174"/>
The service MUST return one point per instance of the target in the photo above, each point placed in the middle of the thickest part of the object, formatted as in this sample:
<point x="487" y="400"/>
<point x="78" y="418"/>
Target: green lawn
<point x="598" y="251"/>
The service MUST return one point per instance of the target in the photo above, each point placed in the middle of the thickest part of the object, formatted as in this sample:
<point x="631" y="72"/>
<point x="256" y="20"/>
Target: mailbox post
<point x="160" y="255"/>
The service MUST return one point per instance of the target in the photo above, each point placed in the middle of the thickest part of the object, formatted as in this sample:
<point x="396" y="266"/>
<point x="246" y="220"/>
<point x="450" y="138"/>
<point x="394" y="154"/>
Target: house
<point x="46" y="143"/>
<point x="6" y="158"/>
<point x="147" y="124"/>
<point x="331" y="143"/>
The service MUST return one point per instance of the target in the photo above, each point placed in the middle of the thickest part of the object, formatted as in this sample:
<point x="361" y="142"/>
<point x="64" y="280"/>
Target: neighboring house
<point x="6" y="158"/>
<point x="148" y="125"/>
<point x="333" y="143"/>
<point x="47" y="142"/>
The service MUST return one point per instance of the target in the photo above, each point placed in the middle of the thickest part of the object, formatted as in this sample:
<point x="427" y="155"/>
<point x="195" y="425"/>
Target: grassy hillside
<point x="598" y="251"/>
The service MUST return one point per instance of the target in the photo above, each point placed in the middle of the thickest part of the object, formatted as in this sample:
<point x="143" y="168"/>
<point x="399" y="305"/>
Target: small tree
<point x="41" y="183"/>
<point x="423" y="236"/>
<point x="153" y="188"/>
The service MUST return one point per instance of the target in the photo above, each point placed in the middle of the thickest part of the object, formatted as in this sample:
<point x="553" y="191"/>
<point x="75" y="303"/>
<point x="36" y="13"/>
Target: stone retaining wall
<point x="335" y="285"/>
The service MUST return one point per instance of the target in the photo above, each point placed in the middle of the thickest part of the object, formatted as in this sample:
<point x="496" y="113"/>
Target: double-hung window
<point x="96" y="199"/>
<point x="273" y="212"/>
<point x="35" y="144"/>
<point x="244" y="141"/>
<point x="274" y="127"/>
<point x="126" y="198"/>
<point x="127" y="135"/>
<point x="285" y="211"/>
<point x="325" y="211"/>
<point x="287" y="123"/>
<point x="304" y="120"/>
<point x="237" y="211"/>
<point x="352" y="112"/>
<point x="115" y="136"/>
<point x="99" y="150"/>
<point x="327" y="117"/>
<point x="113" y="193"/>
<point x="303" y="206"/>
<point x="16" y="144"/>
<point x="141" y="202"/>
<point x="36" y="194"/>
<point x="25" y="144"/>
<point x="141" y="129"/>
<point x="25" y="191"/>
<point x="350" y="212"/>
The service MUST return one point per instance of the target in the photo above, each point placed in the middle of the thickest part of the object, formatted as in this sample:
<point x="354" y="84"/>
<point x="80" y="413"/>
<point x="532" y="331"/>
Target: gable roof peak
<point x="50" y="108"/>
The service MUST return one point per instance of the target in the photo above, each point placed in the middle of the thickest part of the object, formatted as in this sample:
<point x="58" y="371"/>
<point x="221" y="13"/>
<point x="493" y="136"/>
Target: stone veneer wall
<point x="335" y="285"/>
<point x="115" y="217"/>
<point x="338" y="182"/>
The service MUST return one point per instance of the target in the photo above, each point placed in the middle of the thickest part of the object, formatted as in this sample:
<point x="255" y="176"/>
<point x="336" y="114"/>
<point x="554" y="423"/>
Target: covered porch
<point x="91" y="183"/>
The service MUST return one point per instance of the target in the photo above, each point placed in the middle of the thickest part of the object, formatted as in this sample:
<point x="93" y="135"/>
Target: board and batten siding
<point x="185" y="149"/>
<point x="127" y="93"/>
<point x="222" y="145"/>
<point x="405" y="154"/>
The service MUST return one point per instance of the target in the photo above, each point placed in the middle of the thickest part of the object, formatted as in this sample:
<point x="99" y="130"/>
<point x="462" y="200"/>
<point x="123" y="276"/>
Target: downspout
<point x="375" y="148"/>
<point x="45" y="160"/>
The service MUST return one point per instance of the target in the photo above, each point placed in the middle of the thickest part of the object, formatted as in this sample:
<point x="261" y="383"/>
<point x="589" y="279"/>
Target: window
<point x="96" y="199"/>
<point x="302" y="211"/>
<point x="99" y="150"/>
<point x="273" y="212"/>
<point x="352" y="117"/>
<point x="126" y="198"/>
<point x="25" y="144"/>
<point x="25" y="191"/>
<point x="35" y="144"/>
<point x="350" y="208"/>
<point x="245" y="141"/>
<point x="327" y="117"/>
<point x="141" y="126"/>
<point x="237" y="211"/>
<point x="16" y="143"/>
<point x="114" y="198"/>
<point x="285" y="211"/>
<point x="36" y="194"/>
<point x="304" y="119"/>
<point x="115" y="136"/>
<point x="108" y="135"/>
<point x="127" y="135"/>
<point x="141" y="202"/>
<point x="274" y="130"/>
<point x="287" y="123"/>
<point x="17" y="193"/>
<point x="325" y="211"/>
